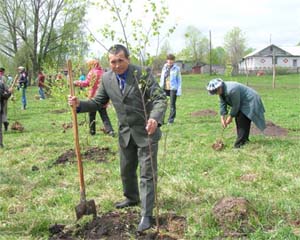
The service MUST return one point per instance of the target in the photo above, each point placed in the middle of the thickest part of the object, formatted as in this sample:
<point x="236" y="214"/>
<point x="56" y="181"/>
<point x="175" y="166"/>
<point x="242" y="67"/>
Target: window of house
<point x="273" y="60"/>
<point x="294" y="62"/>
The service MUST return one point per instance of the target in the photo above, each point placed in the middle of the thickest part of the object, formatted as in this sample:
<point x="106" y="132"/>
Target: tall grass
<point x="192" y="176"/>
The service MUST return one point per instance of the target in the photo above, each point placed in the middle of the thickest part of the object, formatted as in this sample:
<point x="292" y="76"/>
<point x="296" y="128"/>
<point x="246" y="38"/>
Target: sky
<point x="261" y="21"/>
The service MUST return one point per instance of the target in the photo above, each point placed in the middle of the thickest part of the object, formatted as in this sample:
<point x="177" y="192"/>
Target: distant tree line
<point x="45" y="33"/>
<point x="36" y="33"/>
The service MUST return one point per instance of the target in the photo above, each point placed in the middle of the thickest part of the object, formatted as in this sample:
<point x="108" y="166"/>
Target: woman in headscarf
<point x="246" y="106"/>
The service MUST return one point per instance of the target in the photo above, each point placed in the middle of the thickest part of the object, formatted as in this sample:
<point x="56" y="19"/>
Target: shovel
<point x="84" y="207"/>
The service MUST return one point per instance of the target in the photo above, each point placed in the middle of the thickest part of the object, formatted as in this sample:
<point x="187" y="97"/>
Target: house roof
<point x="294" y="51"/>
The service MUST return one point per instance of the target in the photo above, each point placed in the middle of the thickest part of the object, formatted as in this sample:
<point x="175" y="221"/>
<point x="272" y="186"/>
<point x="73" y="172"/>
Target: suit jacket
<point x="141" y="92"/>
<point x="244" y="99"/>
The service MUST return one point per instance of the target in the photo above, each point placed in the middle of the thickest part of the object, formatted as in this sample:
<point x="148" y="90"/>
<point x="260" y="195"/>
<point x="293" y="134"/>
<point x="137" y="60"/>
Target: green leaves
<point x="136" y="24"/>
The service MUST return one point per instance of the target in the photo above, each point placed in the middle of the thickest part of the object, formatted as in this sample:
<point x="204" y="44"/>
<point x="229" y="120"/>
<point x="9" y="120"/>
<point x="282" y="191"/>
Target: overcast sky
<point x="259" y="20"/>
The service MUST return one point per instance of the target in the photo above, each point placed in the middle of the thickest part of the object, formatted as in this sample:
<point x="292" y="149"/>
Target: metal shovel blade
<point x="86" y="208"/>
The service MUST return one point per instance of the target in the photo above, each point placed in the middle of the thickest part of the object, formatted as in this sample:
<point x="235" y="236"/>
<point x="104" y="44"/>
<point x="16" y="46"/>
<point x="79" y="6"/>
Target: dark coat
<point x="244" y="99"/>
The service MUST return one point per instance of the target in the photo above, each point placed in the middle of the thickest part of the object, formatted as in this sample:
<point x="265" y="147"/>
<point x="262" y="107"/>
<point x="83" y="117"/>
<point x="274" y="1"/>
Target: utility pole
<point x="274" y="67"/>
<point x="210" y="60"/>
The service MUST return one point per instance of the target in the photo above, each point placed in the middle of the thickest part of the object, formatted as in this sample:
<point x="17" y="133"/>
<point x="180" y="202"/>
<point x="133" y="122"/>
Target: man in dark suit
<point x="140" y="105"/>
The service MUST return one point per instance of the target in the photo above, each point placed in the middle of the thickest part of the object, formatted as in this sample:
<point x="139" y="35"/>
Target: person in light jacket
<point x="170" y="81"/>
<point x="246" y="106"/>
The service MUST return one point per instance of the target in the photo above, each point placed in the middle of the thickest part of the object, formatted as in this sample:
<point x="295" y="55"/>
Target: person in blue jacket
<point x="246" y="106"/>
<point x="170" y="81"/>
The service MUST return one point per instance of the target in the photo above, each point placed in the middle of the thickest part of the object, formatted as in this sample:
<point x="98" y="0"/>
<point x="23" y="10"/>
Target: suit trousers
<point x="130" y="157"/>
<point x="243" y="125"/>
<point x="105" y="119"/>
<point x="4" y="111"/>
<point x="1" y="133"/>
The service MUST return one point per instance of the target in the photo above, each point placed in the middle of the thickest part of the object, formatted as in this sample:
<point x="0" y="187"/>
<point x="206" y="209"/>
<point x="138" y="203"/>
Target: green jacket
<point x="244" y="99"/>
<point x="141" y="92"/>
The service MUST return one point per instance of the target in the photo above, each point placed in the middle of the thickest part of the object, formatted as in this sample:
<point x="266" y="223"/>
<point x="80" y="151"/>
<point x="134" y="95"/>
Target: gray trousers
<point x="1" y="133"/>
<point x="4" y="112"/>
<point x="130" y="157"/>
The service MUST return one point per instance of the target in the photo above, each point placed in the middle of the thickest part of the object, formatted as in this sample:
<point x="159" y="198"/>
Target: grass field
<point x="192" y="176"/>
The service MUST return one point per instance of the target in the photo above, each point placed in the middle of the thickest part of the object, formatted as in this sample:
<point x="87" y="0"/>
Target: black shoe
<point x="126" y="203"/>
<point x="92" y="132"/>
<point x="145" y="223"/>
<point x="6" y="125"/>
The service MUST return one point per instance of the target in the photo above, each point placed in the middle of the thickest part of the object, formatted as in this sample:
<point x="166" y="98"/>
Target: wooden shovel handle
<point x="15" y="81"/>
<point x="76" y="137"/>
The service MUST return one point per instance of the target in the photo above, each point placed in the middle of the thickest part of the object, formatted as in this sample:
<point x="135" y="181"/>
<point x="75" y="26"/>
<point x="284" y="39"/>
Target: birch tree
<point x="235" y="46"/>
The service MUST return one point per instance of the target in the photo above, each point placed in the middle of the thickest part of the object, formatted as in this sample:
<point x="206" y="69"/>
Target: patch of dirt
<point x="66" y="126"/>
<point x="91" y="154"/>
<point x="296" y="223"/>
<point x="233" y="215"/>
<point x="17" y="126"/>
<point x="204" y="113"/>
<point x="218" y="145"/>
<point x="249" y="177"/>
<point x="69" y="125"/>
<point x="271" y="130"/>
<point x="121" y="225"/>
<point x="59" y="111"/>
<point x="34" y="168"/>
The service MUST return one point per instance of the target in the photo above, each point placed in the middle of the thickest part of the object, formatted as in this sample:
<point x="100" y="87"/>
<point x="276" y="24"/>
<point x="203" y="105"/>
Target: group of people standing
<point x="6" y="90"/>
<point x="141" y="103"/>
<point x="7" y="84"/>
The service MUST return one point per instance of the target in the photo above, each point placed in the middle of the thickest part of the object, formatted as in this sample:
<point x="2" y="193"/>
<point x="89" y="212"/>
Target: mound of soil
<point x="67" y="126"/>
<point x="218" y="145"/>
<point x="17" y="126"/>
<point x="92" y="154"/>
<point x="271" y="130"/>
<point x="121" y="225"/>
<point x="233" y="216"/>
<point x="204" y="113"/>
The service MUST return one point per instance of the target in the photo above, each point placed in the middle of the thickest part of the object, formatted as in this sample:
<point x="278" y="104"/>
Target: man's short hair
<point x="2" y="69"/>
<point x="115" y="49"/>
<point x="170" y="57"/>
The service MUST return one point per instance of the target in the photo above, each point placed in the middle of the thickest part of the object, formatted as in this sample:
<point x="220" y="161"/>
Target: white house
<point x="261" y="61"/>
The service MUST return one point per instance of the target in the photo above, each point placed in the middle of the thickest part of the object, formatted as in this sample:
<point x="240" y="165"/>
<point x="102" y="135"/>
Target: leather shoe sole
<point x="126" y="203"/>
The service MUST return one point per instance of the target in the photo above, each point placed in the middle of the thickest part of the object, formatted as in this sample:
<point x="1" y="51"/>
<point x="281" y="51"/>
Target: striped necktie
<point x="121" y="84"/>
